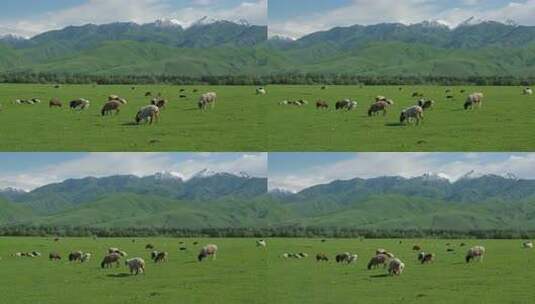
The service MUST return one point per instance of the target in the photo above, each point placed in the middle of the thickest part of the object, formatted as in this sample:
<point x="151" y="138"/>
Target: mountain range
<point x="227" y="48"/>
<point x="225" y="200"/>
<point x="161" y="47"/>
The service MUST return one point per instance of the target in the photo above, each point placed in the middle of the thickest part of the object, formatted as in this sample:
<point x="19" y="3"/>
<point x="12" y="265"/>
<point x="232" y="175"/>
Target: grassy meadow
<point x="504" y="123"/>
<point x="236" y="123"/>
<point x="243" y="273"/>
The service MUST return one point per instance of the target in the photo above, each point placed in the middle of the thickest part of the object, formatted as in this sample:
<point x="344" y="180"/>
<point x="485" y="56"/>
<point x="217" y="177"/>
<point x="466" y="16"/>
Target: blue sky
<point x="30" y="170"/>
<point x="31" y="17"/>
<point x="296" y="171"/>
<point x="300" y="17"/>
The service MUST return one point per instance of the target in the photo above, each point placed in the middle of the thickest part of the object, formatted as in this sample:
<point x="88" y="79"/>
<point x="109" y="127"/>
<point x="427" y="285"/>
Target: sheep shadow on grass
<point x="130" y="124"/>
<point x="394" y="124"/>
<point x="378" y="276"/>
<point x="119" y="275"/>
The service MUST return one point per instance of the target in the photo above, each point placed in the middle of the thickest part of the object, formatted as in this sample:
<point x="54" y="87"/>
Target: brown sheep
<point x="111" y="106"/>
<point x="54" y="102"/>
<point x="110" y="259"/>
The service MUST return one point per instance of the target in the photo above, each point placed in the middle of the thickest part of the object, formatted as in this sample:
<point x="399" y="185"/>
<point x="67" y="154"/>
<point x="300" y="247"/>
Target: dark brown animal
<point x="110" y="259"/>
<point x="75" y="256"/>
<point x="320" y="104"/>
<point x="321" y="257"/>
<point x="160" y="103"/>
<point x="111" y="106"/>
<point x="54" y="256"/>
<point x="149" y="246"/>
<point x="161" y="257"/>
<point x="54" y="102"/>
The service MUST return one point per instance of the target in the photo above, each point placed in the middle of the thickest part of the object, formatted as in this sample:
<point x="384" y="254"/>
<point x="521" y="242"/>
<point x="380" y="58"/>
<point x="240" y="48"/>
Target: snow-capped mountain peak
<point x="204" y="173"/>
<point x="12" y="189"/>
<point x="168" y="22"/>
<point x="169" y="175"/>
<point x="435" y="177"/>
<point x="205" y="21"/>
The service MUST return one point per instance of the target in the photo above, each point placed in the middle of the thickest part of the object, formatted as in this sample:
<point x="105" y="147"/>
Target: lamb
<point x="136" y="265"/>
<point x="161" y="257"/>
<point x="414" y="113"/>
<point x="476" y="252"/>
<point x="527" y="244"/>
<point x="396" y="267"/>
<point x="149" y="113"/>
<point x="75" y="256"/>
<point x="528" y="91"/>
<point x="425" y="257"/>
<point x="208" y="250"/>
<point x="475" y="99"/>
<point x="160" y="103"/>
<point x="261" y="91"/>
<point x="79" y="104"/>
<point x="426" y="104"/>
<point x="207" y="99"/>
<point x="261" y="243"/>
<point x="85" y="257"/>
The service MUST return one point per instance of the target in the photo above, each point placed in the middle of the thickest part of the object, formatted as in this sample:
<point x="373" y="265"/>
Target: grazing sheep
<point x="149" y="113"/>
<point x="320" y="104"/>
<point x="79" y="104"/>
<point x="475" y="99"/>
<point x="528" y="91"/>
<point x="527" y="244"/>
<point x="346" y="257"/>
<point x="426" y="104"/>
<point x="149" y="246"/>
<point x="208" y="250"/>
<point x="54" y="256"/>
<point x="183" y="96"/>
<point x="159" y="102"/>
<point x="117" y="251"/>
<point x="416" y="247"/>
<point x="261" y="91"/>
<point x="396" y="267"/>
<point x="109" y="259"/>
<point x="450" y="250"/>
<point x="450" y="97"/>
<point x="321" y="257"/>
<point x="85" y="257"/>
<point x="379" y="106"/>
<point x="136" y="265"/>
<point x="55" y="102"/>
<point x="161" y="257"/>
<point x="182" y="248"/>
<point x="111" y="106"/>
<point x="154" y="254"/>
<point x="75" y="256"/>
<point x="261" y="243"/>
<point x="147" y="94"/>
<point x="379" y="259"/>
<point x="414" y="113"/>
<point x="346" y="104"/>
<point x="383" y="251"/>
<point x="426" y="257"/>
<point x="117" y="98"/>
<point x="207" y="99"/>
<point x="476" y="252"/>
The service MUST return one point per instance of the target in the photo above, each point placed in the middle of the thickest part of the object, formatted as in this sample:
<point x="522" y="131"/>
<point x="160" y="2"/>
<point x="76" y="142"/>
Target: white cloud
<point x="139" y="164"/>
<point x="368" y="165"/>
<point x="139" y="11"/>
<point x="366" y="12"/>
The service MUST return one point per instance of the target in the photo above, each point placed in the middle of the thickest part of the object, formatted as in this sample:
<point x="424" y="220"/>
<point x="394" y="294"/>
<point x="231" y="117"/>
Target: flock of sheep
<point x="149" y="113"/>
<point x="114" y="256"/>
<point x="382" y="257"/>
<point x="413" y="114"/>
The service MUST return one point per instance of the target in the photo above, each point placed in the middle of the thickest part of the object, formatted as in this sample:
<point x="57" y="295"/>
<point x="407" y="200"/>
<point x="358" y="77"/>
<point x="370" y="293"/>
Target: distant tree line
<point x="282" y="79"/>
<point x="284" y="232"/>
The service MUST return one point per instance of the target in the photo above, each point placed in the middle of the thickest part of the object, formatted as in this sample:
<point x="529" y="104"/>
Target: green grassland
<point x="236" y="123"/>
<point x="504" y="123"/>
<point x="243" y="273"/>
